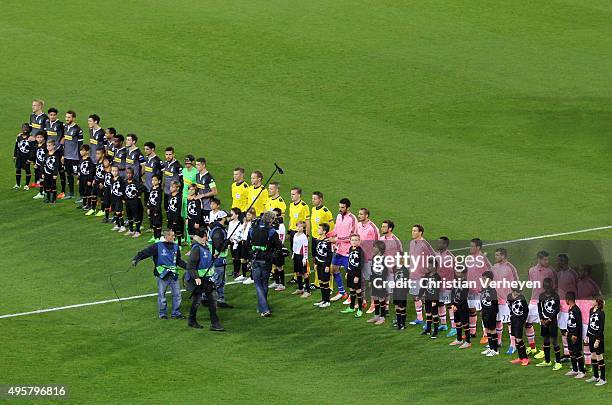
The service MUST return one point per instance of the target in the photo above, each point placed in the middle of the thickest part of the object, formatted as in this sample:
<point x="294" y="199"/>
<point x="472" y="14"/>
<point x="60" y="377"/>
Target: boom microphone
<point x="280" y="170"/>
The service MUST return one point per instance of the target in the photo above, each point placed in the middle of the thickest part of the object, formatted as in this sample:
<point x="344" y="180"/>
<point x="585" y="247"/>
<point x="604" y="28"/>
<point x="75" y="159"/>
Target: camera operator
<point x="264" y="242"/>
<point x="199" y="279"/>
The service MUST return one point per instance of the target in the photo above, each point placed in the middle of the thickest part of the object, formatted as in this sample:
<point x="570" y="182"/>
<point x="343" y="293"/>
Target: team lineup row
<point x="114" y="174"/>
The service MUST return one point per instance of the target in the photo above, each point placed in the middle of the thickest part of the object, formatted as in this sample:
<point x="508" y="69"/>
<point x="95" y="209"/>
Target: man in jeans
<point x="166" y="257"/>
<point x="263" y="240"/>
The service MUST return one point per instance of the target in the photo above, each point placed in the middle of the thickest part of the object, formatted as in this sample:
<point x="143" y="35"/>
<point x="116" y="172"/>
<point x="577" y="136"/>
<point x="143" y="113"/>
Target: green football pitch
<point x="482" y="118"/>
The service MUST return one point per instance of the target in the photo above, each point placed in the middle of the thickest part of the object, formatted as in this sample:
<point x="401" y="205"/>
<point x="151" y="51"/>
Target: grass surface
<point x="489" y="119"/>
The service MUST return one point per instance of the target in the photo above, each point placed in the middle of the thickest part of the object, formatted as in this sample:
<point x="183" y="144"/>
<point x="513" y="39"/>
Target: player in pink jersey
<point x="368" y="233"/>
<point x="567" y="279"/>
<point x="476" y="263"/>
<point x="586" y="289"/>
<point x="346" y="223"/>
<point x="537" y="274"/>
<point x="446" y="271"/>
<point x="503" y="270"/>
<point x="420" y="249"/>
<point x="393" y="246"/>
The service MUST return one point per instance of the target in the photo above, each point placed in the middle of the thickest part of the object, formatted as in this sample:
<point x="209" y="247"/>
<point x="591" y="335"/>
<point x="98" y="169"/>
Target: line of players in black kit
<point x="110" y="174"/>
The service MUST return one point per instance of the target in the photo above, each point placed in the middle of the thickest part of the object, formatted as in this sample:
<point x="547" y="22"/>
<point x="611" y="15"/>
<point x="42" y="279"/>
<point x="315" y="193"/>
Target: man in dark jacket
<point x="264" y="242"/>
<point x="166" y="257"/>
<point x="199" y="279"/>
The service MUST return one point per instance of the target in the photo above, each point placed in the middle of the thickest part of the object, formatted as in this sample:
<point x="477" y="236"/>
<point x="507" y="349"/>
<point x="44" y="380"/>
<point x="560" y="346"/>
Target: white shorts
<point x="503" y="315"/>
<point x="474" y="301"/>
<point x="585" y="340"/>
<point x="534" y="315"/>
<point x="445" y="296"/>
<point x="562" y="320"/>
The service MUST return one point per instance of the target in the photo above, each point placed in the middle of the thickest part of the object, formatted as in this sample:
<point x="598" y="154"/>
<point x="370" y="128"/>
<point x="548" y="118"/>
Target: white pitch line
<point x="552" y="235"/>
<point x="135" y="297"/>
<point x="86" y="304"/>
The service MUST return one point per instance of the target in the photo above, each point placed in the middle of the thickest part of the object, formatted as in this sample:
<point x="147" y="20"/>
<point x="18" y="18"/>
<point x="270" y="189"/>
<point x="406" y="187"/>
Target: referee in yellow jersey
<point x="274" y="198"/>
<point x="254" y="190"/>
<point x="298" y="212"/>
<point x="277" y="204"/>
<point x="319" y="215"/>
<point x="240" y="190"/>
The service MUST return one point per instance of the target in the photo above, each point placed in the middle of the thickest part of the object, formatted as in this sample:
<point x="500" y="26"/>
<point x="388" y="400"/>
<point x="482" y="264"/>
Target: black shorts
<point x="516" y="327"/>
<point x="49" y="182"/>
<point x="279" y="259"/>
<point x="191" y="229"/>
<point x="380" y="291"/>
<point x="323" y="276"/>
<point x="574" y="347"/>
<point x="116" y="204"/>
<point x="244" y="250"/>
<point x="298" y="265"/>
<point x="550" y="330"/>
<point x="106" y="198"/>
<point x="71" y="166"/>
<point x="155" y="218"/>
<point x="177" y="225"/>
<point x="22" y="164"/>
<point x="133" y="210"/>
<point x="462" y="314"/>
<point x="489" y="319"/>
<point x="600" y="349"/>
<point x="350" y="279"/>
<point x="430" y="305"/>
<point x="400" y="303"/>
<point x="235" y="253"/>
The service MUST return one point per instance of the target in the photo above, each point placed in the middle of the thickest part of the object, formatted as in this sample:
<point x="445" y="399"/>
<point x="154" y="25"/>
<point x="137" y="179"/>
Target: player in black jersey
<point x="278" y="261"/>
<point x="356" y="261"/>
<point x="152" y="165"/>
<point x="173" y="171"/>
<point x="133" y="204"/>
<point x="85" y="178"/>
<point x="193" y="211"/>
<point x="595" y="333"/>
<point x="489" y="311"/>
<point x="401" y="289"/>
<point x="574" y="337"/>
<point x="97" y="184"/>
<point x="134" y="158"/>
<point x="174" y="210"/>
<point x="106" y="187"/>
<point x="96" y="134"/>
<point x="40" y="152"/>
<point x="154" y="207"/>
<point x="323" y="254"/>
<point x="461" y="311"/>
<point x="38" y="117"/>
<point x="117" y="192"/>
<point x="54" y="129"/>
<point x="519" y="309"/>
<point x="23" y="154"/>
<point x="120" y="154"/>
<point x="50" y="172"/>
<point x="73" y="140"/>
<point x="548" y="309"/>
<point x="378" y="278"/>
<point x="430" y="295"/>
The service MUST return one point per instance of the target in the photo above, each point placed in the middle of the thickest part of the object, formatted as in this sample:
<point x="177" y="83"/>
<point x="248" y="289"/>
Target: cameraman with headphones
<point x="264" y="243"/>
